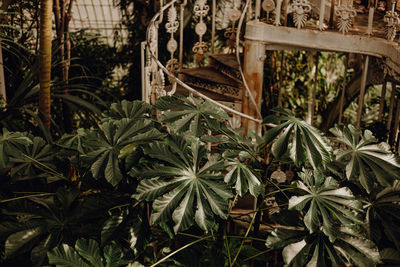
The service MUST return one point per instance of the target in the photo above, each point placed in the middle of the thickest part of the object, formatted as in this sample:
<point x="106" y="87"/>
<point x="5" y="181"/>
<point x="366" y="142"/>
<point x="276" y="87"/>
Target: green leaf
<point x="65" y="256"/>
<point x="383" y="214"/>
<point x="134" y="110"/>
<point x="110" y="226"/>
<point x="34" y="160"/>
<point x="190" y="114"/>
<point x="191" y="186"/>
<point x="303" y="142"/>
<point x="113" y="255"/>
<point x="328" y="202"/>
<point x="244" y="179"/>
<point x="302" y="248"/>
<point x="89" y="250"/>
<point x="116" y="139"/>
<point x="366" y="160"/>
<point x="74" y="141"/>
<point x="15" y="241"/>
<point x="11" y="143"/>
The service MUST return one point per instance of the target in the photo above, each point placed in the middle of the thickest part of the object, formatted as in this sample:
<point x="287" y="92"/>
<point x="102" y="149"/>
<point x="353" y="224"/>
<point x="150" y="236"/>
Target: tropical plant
<point x="325" y="203"/>
<point x="87" y="251"/>
<point x="306" y="145"/>
<point x="186" y="185"/>
<point x="301" y="248"/>
<point x="366" y="160"/>
<point x="144" y="188"/>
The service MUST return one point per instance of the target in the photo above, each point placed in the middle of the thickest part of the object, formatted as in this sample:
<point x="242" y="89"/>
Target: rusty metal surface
<point x="209" y="74"/>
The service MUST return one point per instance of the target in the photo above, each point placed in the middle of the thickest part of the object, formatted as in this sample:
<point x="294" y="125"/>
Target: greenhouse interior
<point x="215" y="133"/>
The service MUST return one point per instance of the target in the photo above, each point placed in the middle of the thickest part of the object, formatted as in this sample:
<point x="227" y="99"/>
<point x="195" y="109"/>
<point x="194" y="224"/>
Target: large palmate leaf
<point x="186" y="186"/>
<point x="52" y="219"/>
<point x="34" y="160"/>
<point x="303" y="142"/>
<point x="243" y="177"/>
<point x="9" y="142"/>
<point x="75" y="141"/>
<point x="190" y="114"/>
<point x="128" y="109"/>
<point x="314" y="250"/>
<point x="366" y="160"/>
<point x="324" y="202"/>
<point x="383" y="215"/>
<point x="66" y="256"/>
<point x="86" y="251"/>
<point x="112" y="138"/>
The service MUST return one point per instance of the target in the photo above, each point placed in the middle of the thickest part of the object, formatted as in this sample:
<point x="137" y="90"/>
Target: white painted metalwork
<point x="321" y="24"/>
<point x="182" y="13"/>
<point x="370" y="19"/>
<point x="172" y="26"/>
<point x="271" y="36"/>
<point x="278" y="8"/>
<point x="200" y="10"/>
<point x="153" y="59"/>
<point x="392" y="22"/>
<point x="268" y="6"/>
<point x="230" y="33"/>
<point x="345" y="13"/>
<point x="300" y="10"/>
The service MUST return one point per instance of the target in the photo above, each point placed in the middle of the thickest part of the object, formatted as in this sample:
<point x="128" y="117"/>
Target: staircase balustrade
<point x="163" y="78"/>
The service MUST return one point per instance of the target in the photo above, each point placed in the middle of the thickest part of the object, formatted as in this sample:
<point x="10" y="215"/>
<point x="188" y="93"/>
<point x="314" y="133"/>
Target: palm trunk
<point x="3" y="20"/>
<point x="46" y="7"/>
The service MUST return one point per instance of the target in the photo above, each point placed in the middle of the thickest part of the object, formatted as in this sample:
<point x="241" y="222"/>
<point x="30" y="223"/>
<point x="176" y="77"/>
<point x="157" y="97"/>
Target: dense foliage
<point x="157" y="186"/>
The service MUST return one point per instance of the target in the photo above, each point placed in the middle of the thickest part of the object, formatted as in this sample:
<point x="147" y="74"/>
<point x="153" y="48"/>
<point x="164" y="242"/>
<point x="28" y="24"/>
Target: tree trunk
<point x="3" y="20"/>
<point x="46" y="7"/>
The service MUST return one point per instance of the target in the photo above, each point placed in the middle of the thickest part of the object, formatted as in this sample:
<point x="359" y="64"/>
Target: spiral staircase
<point x="234" y="80"/>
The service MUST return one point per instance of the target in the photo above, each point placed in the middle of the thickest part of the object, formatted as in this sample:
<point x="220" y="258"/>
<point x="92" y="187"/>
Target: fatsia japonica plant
<point x="161" y="186"/>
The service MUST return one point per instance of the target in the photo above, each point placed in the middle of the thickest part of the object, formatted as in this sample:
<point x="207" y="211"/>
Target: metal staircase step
<point x="226" y="64"/>
<point x="220" y="86"/>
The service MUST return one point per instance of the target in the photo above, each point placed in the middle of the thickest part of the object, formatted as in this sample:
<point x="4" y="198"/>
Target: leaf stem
<point x="29" y="196"/>
<point x="180" y="249"/>
<point x="44" y="166"/>
<point x="258" y="254"/>
<point x="241" y="244"/>
<point x="227" y="248"/>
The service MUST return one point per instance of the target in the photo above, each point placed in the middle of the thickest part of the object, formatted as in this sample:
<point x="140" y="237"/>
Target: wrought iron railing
<point x="171" y="18"/>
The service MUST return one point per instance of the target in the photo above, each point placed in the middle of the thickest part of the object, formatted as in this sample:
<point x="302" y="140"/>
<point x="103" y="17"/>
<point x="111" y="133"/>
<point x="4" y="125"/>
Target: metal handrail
<point x="176" y="79"/>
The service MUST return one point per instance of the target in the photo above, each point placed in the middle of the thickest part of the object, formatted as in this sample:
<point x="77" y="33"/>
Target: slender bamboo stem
<point x="180" y="249"/>
<point x="241" y="244"/>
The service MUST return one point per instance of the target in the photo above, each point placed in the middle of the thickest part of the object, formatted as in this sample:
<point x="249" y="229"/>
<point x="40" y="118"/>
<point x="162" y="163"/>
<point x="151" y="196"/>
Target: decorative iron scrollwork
<point x="230" y="33"/>
<point x="200" y="10"/>
<point x="345" y="14"/>
<point x="392" y="22"/>
<point x="300" y="10"/>
<point x="172" y="26"/>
